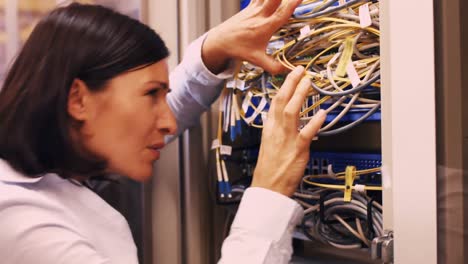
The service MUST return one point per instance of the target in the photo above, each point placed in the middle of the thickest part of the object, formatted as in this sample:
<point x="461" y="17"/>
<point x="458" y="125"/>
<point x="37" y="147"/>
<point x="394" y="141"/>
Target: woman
<point x="88" y="95"/>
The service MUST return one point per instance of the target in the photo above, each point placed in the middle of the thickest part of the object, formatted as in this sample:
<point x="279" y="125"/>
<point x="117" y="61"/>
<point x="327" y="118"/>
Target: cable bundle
<point x="338" y="44"/>
<point x="346" y="225"/>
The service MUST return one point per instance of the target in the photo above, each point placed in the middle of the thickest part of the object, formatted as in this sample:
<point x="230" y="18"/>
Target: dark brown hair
<point x="88" y="42"/>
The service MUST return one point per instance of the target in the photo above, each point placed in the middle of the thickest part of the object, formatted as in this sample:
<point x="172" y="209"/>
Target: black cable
<point x="370" y="218"/>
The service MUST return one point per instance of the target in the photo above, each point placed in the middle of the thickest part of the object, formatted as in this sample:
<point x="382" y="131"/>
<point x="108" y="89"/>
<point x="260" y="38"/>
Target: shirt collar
<point x="10" y="175"/>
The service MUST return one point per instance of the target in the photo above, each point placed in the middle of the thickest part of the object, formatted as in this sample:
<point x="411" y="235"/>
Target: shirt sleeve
<point x="35" y="234"/>
<point x="194" y="87"/>
<point x="262" y="229"/>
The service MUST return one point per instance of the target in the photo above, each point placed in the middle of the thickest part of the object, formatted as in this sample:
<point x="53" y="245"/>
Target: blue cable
<point x="222" y="189"/>
<point x="233" y="132"/>
<point x="228" y="188"/>
<point x="239" y="127"/>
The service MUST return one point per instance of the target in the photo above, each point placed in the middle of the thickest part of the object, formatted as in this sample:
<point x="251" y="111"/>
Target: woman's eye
<point x="157" y="91"/>
<point x="153" y="92"/>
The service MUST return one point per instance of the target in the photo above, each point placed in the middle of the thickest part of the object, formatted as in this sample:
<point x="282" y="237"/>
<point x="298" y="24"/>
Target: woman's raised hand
<point x="284" y="151"/>
<point x="245" y="36"/>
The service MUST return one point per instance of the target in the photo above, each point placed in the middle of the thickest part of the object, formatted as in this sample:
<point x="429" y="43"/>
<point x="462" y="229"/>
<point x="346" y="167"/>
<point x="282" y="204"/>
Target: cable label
<point x="364" y="16"/>
<point x="225" y="150"/>
<point x="236" y="83"/>
<point x="352" y="74"/>
<point x="215" y="144"/>
<point x="304" y="31"/>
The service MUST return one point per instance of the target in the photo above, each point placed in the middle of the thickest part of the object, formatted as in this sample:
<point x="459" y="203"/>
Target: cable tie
<point x="350" y="175"/>
<point x="345" y="57"/>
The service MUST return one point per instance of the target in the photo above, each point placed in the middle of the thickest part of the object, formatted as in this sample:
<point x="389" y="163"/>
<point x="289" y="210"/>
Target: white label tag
<point x="352" y="74"/>
<point x="342" y="2"/>
<point x="236" y="83"/>
<point x="231" y="84"/>
<point x="304" y="31"/>
<point x="227" y="112"/>
<point x="215" y="144"/>
<point x="240" y="84"/>
<point x="360" y="65"/>
<point x="226" y="150"/>
<point x="364" y="16"/>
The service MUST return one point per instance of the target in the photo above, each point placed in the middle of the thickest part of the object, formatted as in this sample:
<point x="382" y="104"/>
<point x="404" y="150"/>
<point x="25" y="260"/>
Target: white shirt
<point x="50" y="220"/>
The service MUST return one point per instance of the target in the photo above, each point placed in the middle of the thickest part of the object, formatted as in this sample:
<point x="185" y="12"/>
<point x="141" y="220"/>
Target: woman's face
<point x="129" y="119"/>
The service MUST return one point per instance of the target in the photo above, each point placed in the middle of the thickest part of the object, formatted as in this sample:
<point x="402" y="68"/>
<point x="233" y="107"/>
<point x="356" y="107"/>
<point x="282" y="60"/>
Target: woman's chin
<point x="140" y="176"/>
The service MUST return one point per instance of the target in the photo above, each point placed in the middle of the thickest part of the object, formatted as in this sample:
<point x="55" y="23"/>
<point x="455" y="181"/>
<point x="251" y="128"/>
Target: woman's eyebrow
<point x="163" y="85"/>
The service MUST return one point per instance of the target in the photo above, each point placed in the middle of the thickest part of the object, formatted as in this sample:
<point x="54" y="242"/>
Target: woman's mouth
<point x="155" y="148"/>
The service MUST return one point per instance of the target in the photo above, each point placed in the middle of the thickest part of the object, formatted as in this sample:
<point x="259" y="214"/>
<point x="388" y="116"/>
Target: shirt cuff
<point x="267" y="213"/>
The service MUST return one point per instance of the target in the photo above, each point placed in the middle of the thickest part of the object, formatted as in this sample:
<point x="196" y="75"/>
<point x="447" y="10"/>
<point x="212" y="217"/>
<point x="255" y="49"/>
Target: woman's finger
<point x="287" y="90"/>
<point x="292" y="109"/>
<point x="285" y="11"/>
<point x="307" y="133"/>
<point x="271" y="6"/>
<point x="269" y="63"/>
<point x="256" y="3"/>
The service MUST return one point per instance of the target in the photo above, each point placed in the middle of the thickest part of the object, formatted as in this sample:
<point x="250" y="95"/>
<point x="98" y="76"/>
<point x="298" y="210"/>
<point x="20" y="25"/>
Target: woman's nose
<point x="167" y="123"/>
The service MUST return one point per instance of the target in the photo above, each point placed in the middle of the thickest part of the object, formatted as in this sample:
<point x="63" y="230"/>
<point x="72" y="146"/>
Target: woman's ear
<point x="77" y="100"/>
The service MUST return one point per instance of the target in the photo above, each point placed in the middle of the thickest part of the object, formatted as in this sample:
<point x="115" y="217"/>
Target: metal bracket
<point x="382" y="247"/>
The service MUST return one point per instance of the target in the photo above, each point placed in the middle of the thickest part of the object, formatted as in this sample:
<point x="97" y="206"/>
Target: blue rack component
<point x="244" y="3"/>
<point x="319" y="161"/>
<point x="353" y="115"/>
